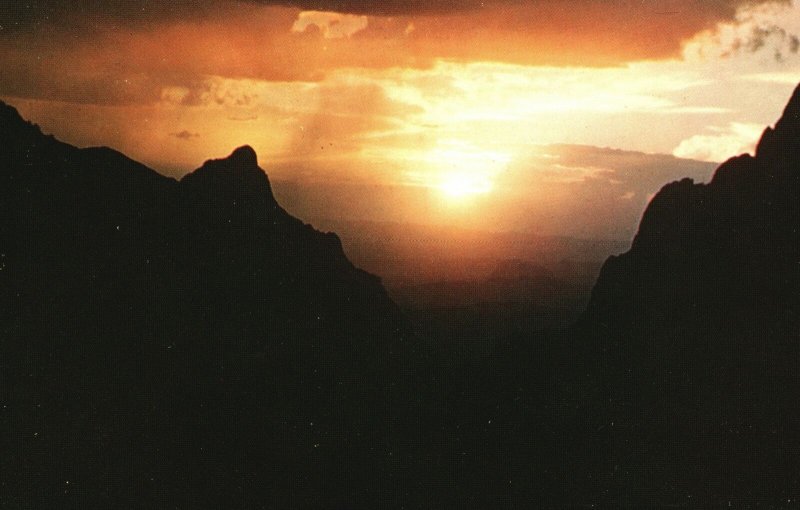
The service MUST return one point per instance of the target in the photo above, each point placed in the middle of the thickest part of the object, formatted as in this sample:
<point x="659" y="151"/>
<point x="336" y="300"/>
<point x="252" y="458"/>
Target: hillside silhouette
<point x="181" y="344"/>
<point x="189" y="344"/>
<point x="693" y="340"/>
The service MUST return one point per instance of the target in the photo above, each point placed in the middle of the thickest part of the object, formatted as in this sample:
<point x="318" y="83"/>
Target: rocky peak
<point x="244" y="157"/>
<point x="236" y="179"/>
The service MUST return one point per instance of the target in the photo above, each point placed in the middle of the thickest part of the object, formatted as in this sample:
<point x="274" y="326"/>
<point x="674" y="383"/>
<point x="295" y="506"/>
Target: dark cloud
<point x="185" y="135"/>
<point x="389" y="7"/>
<point x="126" y="52"/>
<point x="41" y="12"/>
<point x="36" y="12"/>
<point x="778" y="38"/>
<point x="16" y="16"/>
<point x="244" y="118"/>
<point x="714" y="8"/>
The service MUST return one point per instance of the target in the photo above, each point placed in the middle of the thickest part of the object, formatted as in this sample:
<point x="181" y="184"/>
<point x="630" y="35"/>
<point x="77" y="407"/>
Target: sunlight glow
<point x="457" y="185"/>
<point x="460" y="169"/>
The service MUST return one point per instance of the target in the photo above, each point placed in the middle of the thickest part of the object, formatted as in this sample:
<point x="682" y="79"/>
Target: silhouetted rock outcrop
<point x="182" y="344"/>
<point x="694" y="334"/>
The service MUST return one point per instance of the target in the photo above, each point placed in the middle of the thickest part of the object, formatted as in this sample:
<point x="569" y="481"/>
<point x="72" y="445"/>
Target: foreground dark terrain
<point x="694" y="333"/>
<point x="180" y="344"/>
<point x="189" y="344"/>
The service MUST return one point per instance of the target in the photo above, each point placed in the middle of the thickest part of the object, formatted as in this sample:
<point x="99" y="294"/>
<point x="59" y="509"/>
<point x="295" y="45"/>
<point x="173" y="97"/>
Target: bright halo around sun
<point x="462" y="170"/>
<point x="459" y="185"/>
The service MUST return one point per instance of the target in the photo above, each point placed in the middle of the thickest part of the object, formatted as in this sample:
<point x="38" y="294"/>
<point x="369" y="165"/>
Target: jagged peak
<point x="242" y="158"/>
<point x="244" y="155"/>
<point x="660" y="222"/>
<point x="9" y="112"/>
<point x="766" y="143"/>
<point x="785" y="131"/>
<point x="792" y="111"/>
<point x="239" y="173"/>
<point x="242" y="163"/>
<point x="12" y="122"/>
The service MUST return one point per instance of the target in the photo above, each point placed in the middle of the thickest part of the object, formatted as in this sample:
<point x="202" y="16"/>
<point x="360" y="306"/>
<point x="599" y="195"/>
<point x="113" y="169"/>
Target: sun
<point x="460" y="185"/>
<point x="461" y="170"/>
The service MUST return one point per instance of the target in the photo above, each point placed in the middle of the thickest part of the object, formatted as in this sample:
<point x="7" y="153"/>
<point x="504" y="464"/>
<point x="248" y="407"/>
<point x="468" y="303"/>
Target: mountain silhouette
<point x="693" y="340"/>
<point x="180" y="344"/>
<point x="189" y="344"/>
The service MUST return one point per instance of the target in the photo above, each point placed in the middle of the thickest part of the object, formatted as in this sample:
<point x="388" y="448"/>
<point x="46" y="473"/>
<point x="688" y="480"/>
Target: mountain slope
<point x="171" y="344"/>
<point x="694" y="334"/>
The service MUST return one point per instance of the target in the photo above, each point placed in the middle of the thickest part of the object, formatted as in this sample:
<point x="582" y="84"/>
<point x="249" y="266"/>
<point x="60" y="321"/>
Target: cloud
<point x="332" y="24"/>
<point x="616" y="173"/>
<point x="24" y="16"/>
<point x="139" y="66"/>
<point x="28" y="12"/>
<point x="18" y="17"/>
<point x="185" y="135"/>
<point x="757" y="28"/>
<point x="721" y="143"/>
<point x="782" y="78"/>
<point x="717" y="8"/>
<point x="388" y="7"/>
<point x="764" y="37"/>
<point x="339" y="120"/>
<point x="121" y="53"/>
<point x="588" y="191"/>
<point x="553" y="31"/>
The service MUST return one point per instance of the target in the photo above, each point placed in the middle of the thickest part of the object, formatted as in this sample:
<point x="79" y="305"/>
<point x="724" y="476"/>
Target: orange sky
<point x="459" y="99"/>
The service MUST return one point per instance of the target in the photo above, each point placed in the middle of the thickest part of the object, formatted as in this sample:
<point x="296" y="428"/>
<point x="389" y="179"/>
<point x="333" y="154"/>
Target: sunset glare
<point x="460" y="99"/>
<point x="462" y="171"/>
<point x="461" y="185"/>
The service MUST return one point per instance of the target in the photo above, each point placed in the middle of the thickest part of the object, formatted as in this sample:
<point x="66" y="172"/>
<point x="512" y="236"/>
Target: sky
<point x="543" y="115"/>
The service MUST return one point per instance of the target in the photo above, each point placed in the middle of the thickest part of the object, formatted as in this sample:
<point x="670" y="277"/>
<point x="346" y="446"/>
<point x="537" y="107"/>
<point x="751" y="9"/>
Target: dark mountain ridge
<point x="187" y="344"/>
<point x="694" y="333"/>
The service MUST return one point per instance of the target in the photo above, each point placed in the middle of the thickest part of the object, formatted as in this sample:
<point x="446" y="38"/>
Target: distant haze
<point x="576" y="191"/>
